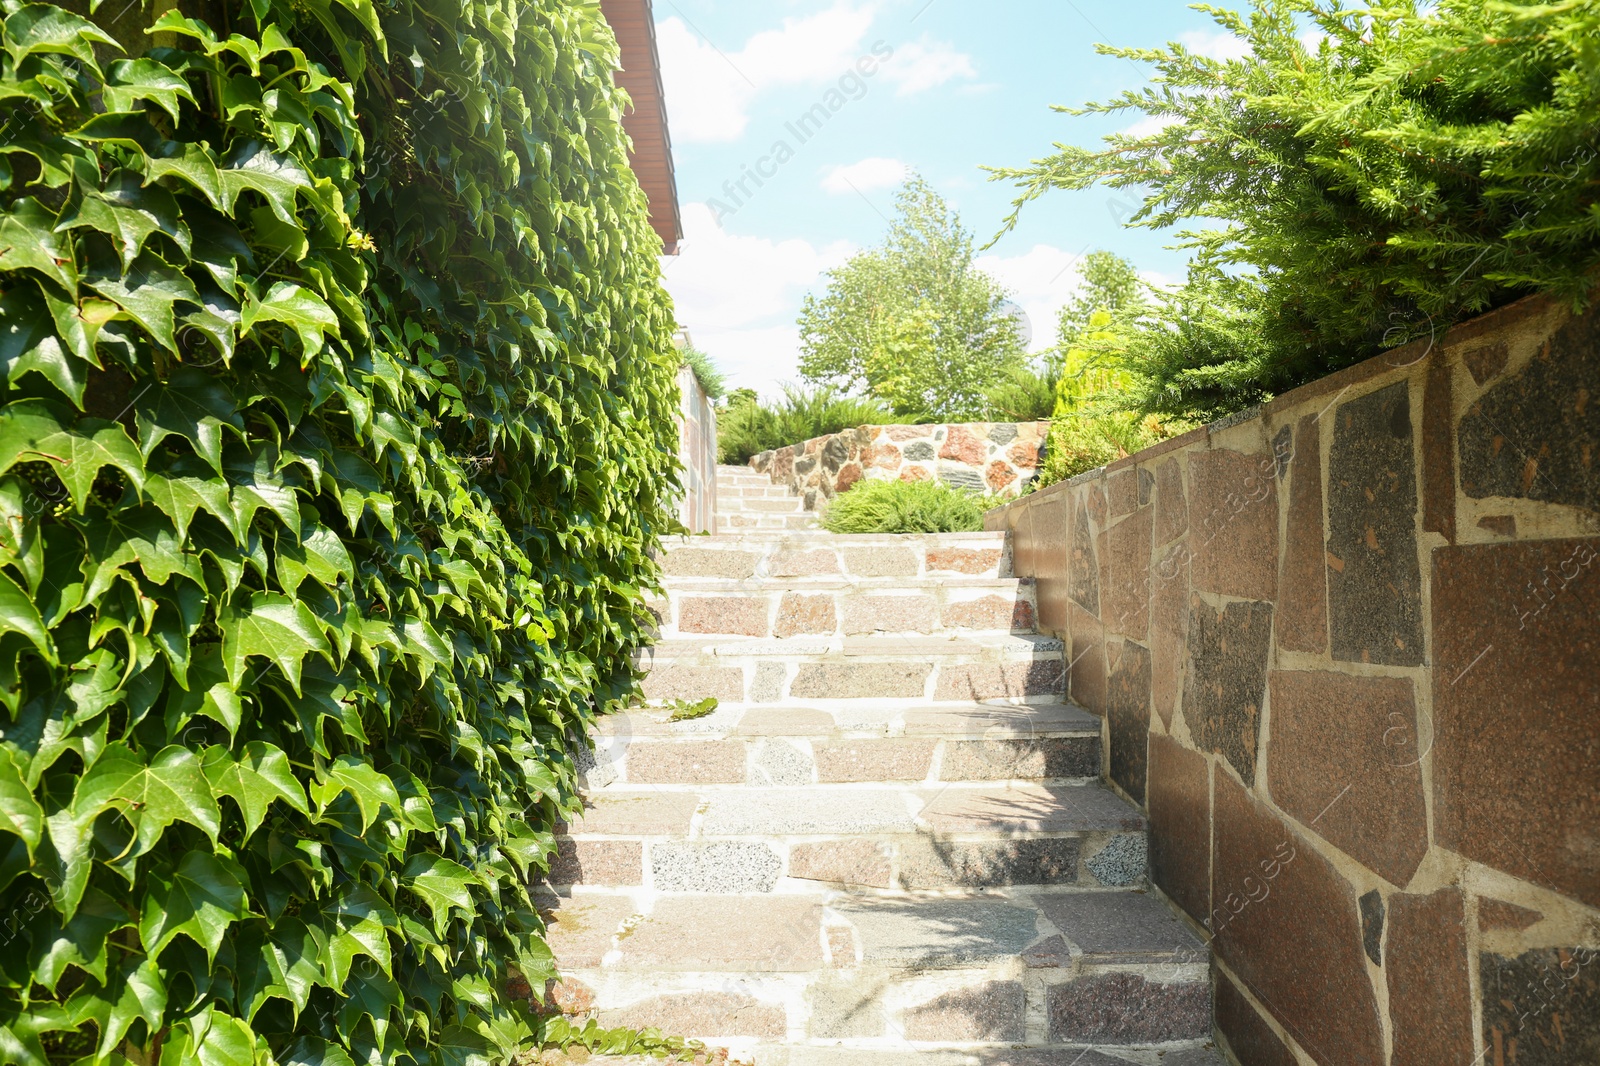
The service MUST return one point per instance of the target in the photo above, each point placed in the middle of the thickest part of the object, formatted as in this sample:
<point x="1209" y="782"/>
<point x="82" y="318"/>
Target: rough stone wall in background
<point x="1347" y="648"/>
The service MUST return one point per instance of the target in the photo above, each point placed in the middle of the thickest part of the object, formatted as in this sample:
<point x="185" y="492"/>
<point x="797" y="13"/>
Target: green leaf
<point x="283" y="962"/>
<point x="314" y="1051"/>
<point x="29" y="241"/>
<point x="275" y="627"/>
<point x="318" y="553"/>
<point x="196" y="168"/>
<point x="298" y="308"/>
<point x="191" y="404"/>
<point x="148" y="293"/>
<point x="45" y="28"/>
<point x="129" y="535"/>
<point x="81" y="942"/>
<point x="212" y="1038"/>
<point x="20" y="813"/>
<point x="442" y="884"/>
<point x="200" y="900"/>
<point x="369" y="788"/>
<point x="140" y="995"/>
<point x="29" y="343"/>
<point x="127" y="215"/>
<point x="171" y="788"/>
<point x="253" y="779"/>
<point x="255" y="167"/>
<point x="180" y="493"/>
<point x="359" y="921"/>
<point x="130" y="80"/>
<point x="18" y="614"/>
<point x="34" y="429"/>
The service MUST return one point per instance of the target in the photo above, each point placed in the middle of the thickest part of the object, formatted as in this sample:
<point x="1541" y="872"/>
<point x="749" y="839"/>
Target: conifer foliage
<point x="337" y="431"/>
<point x="1379" y="172"/>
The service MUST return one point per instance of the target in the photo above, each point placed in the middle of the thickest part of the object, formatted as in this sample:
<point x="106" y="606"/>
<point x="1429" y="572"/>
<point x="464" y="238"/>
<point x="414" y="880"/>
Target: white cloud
<point x="875" y="172"/>
<point x="738" y="296"/>
<point x="1216" y="44"/>
<point x="1150" y="124"/>
<point x="1040" y="280"/>
<point x="925" y="64"/>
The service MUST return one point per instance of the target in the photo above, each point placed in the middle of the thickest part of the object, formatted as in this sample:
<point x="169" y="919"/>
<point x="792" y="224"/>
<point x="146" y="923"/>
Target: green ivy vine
<point x="336" y="436"/>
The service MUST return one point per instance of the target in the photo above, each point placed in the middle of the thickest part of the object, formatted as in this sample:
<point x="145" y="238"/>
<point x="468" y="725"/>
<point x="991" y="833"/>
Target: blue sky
<point x="965" y="83"/>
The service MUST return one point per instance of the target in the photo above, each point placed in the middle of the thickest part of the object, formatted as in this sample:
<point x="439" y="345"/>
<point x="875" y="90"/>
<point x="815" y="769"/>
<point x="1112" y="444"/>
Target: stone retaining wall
<point x="997" y="457"/>
<point x="1347" y="652"/>
<point x="697" y="455"/>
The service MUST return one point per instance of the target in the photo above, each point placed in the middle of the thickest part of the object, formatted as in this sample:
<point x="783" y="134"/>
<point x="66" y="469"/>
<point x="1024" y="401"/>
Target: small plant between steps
<point x="905" y="507"/>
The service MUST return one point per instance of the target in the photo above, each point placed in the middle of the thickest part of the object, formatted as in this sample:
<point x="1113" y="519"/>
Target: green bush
<point x="337" y="423"/>
<point x="711" y="379"/>
<point x="905" y="507"/>
<point x="750" y="428"/>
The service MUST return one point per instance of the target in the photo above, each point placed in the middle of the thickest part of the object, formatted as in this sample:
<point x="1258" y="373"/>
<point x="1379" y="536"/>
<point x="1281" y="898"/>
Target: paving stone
<point x="1052" y="953"/>
<point x="1430" y="983"/>
<point x="1372" y="915"/>
<point x="1292" y="934"/>
<point x="768" y="684"/>
<point x="596" y="862"/>
<point x="1041" y="534"/>
<point x="1534" y="435"/>
<point x="1087" y="665"/>
<point x="1249" y="1035"/>
<point x="992" y="681"/>
<point x="1180" y="825"/>
<point x="1084" y="565"/>
<point x="1374" y="580"/>
<point x="844" y="1009"/>
<point x="1122" y="926"/>
<point x="843" y="681"/>
<point x="668" y="682"/>
<point x="928" y="864"/>
<point x="1498" y="914"/>
<point x="1125" y="596"/>
<point x="999" y="720"/>
<point x="1125" y="1008"/>
<point x="975" y="561"/>
<point x="785" y="722"/>
<point x="1516" y="706"/>
<point x="848" y="862"/>
<point x="700" y="762"/>
<point x="701" y="1014"/>
<point x="1303" y="590"/>
<point x="1169" y="630"/>
<point x="873" y="760"/>
<point x="890" y="614"/>
<point x="881" y="562"/>
<point x="794" y="812"/>
<point x="779" y="763"/>
<point x="775" y="934"/>
<point x="720" y="866"/>
<point x="938" y="933"/>
<point x="1234" y="524"/>
<point x="1028" y="808"/>
<point x="709" y="562"/>
<point x="1345" y="760"/>
<point x="1501" y="525"/>
<point x="1123" y="860"/>
<point x="1020" y="759"/>
<point x="637" y="814"/>
<point x="1122" y="490"/>
<point x="1172" y="507"/>
<point x="1128" y="715"/>
<point x="815" y="563"/>
<point x="580" y="930"/>
<point x="1541" y="1008"/>
<point x="992" y="1011"/>
<point x="989" y="612"/>
<point x="740" y="615"/>
<point x="1438" y="451"/>
<point x="800" y="615"/>
<point x="1227" y="679"/>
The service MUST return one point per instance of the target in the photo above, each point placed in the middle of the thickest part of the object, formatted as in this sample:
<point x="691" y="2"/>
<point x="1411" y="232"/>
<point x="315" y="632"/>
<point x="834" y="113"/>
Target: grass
<point x="905" y="507"/>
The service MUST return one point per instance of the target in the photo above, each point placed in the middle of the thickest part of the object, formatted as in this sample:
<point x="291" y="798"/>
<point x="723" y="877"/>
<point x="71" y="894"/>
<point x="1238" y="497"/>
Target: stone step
<point x="740" y="556"/>
<point x="784" y="504"/>
<point x="1185" y="1053"/>
<point x="756" y="522"/>
<point x="975" y="667"/>
<point x="894" y="973"/>
<point x="834" y="605"/>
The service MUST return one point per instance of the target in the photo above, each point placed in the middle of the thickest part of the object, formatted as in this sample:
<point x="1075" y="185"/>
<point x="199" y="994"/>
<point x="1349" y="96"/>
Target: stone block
<point x="1233" y="498"/>
<point x="637" y="814"/>
<point x="1024" y="455"/>
<point x="1498" y="914"/>
<point x="889" y="614"/>
<point x="881" y="562"/>
<point x="800" y="614"/>
<point x="1485" y="361"/>
<point x="1430" y="983"/>
<point x="1287" y="924"/>
<point x="1516" y="706"/>
<point x="804" y="812"/>
<point x="698" y="762"/>
<point x="1227" y="680"/>
<point x="1180" y="825"/>
<point x="816" y="563"/>
<point x="580" y="930"/>
<point x="1169" y="630"/>
<point x="920" y="452"/>
<point x="843" y="1009"/>
<point x="701" y="1014"/>
<point x="1172" y="506"/>
<point x="1345" y="761"/>
<point x="1020" y="759"/>
<point x="962" y="477"/>
<point x="710" y="562"/>
<point x="1125" y="1008"/>
<point x="1123" y="860"/>
<point x="720" y="866"/>
<point x="974" y="561"/>
<point x="596" y="862"/>
<point x="785" y="722"/>
<point x="1438" y="452"/>
<point x="938" y="933"/>
<point x="964" y="446"/>
<point x="1028" y="808"/>
<point x="1541" y="1008"/>
<point x="780" y="764"/>
<point x="1047" y="533"/>
<point x="873" y="760"/>
<point x="1084" y="563"/>
<point x="940" y="864"/>
<point x="997" y="721"/>
<point x="1125" y="596"/>
<point x="1535" y="434"/>
<point x="774" y="934"/>
<point x="1003" y="432"/>
<point x="849" y="474"/>
<point x="848" y="862"/>
<point x="1122" y="926"/>
<point x="1086" y="668"/>
<point x="999" y="476"/>
<point x="1249" y="1035"/>
<point x="995" y="681"/>
<point x="1374" y="577"/>
<point x="990" y="1012"/>
<point x="843" y="681"/>
<point x="1372" y="915"/>
<point x="1011" y="613"/>
<point x="1303" y="590"/>
<point x="671" y="682"/>
<point x="916" y="473"/>
<point x="1122" y="491"/>
<point x="1128" y="715"/>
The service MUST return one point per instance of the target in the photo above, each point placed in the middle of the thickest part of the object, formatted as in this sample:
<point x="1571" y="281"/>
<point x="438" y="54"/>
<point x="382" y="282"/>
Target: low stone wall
<point x="697" y="455"/>
<point x="998" y="457"/>
<point x="1347" y="652"/>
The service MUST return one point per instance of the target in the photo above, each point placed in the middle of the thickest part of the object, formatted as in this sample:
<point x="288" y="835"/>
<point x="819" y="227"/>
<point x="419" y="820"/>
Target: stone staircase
<point x="889" y="840"/>
<point x="747" y="500"/>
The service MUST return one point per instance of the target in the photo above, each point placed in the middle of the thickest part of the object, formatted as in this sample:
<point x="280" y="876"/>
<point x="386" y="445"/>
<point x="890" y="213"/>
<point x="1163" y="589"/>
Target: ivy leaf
<point x="130" y="80"/>
<point x="20" y="813"/>
<point x="19" y="614"/>
<point x="27" y="342"/>
<point x="35" y="429"/>
<point x="127" y="215"/>
<point x="126" y="535"/>
<point x="171" y="788"/>
<point x="314" y="1051"/>
<point x="442" y="884"/>
<point x="298" y="308"/>
<point x="125" y="129"/>
<point x="179" y="494"/>
<point x="81" y="942"/>
<point x="29" y="241"/>
<point x="195" y="168"/>
<point x="359" y="920"/>
<point x="276" y="627"/>
<point x="318" y="553"/>
<point x="209" y="693"/>
<point x="369" y="788"/>
<point x="460" y="1046"/>
<point x="281" y="962"/>
<point x="148" y="294"/>
<point x="200" y="900"/>
<point x="253" y="779"/>
<point x="212" y="1038"/>
<point x="191" y="404"/>
<point x="35" y="28"/>
<point x="140" y="995"/>
<point x="256" y="167"/>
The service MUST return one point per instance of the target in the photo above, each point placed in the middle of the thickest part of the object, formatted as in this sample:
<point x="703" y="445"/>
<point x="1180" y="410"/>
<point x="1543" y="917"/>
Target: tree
<point x="914" y="322"/>
<point x="1416" y="165"/>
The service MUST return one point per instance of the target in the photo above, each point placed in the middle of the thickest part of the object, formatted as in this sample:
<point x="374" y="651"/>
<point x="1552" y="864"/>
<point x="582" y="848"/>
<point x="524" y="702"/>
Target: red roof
<point x="635" y="28"/>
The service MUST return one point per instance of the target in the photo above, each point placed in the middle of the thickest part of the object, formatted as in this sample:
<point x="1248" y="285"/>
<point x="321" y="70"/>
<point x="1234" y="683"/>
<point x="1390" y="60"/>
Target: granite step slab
<point x="1192" y="1053"/>
<point x="738" y="555"/>
<point x="833" y="605"/>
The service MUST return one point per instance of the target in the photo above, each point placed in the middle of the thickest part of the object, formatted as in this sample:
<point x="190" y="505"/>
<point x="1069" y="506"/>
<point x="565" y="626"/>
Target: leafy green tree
<point x="913" y="322"/>
<point x="1418" y="164"/>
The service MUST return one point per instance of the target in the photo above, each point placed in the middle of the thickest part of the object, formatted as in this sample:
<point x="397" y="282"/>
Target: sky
<point x="941" y="88"/>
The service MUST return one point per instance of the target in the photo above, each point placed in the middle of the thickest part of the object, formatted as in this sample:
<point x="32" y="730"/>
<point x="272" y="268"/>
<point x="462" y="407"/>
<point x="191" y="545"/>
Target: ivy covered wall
<point x="337" y="430"/>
